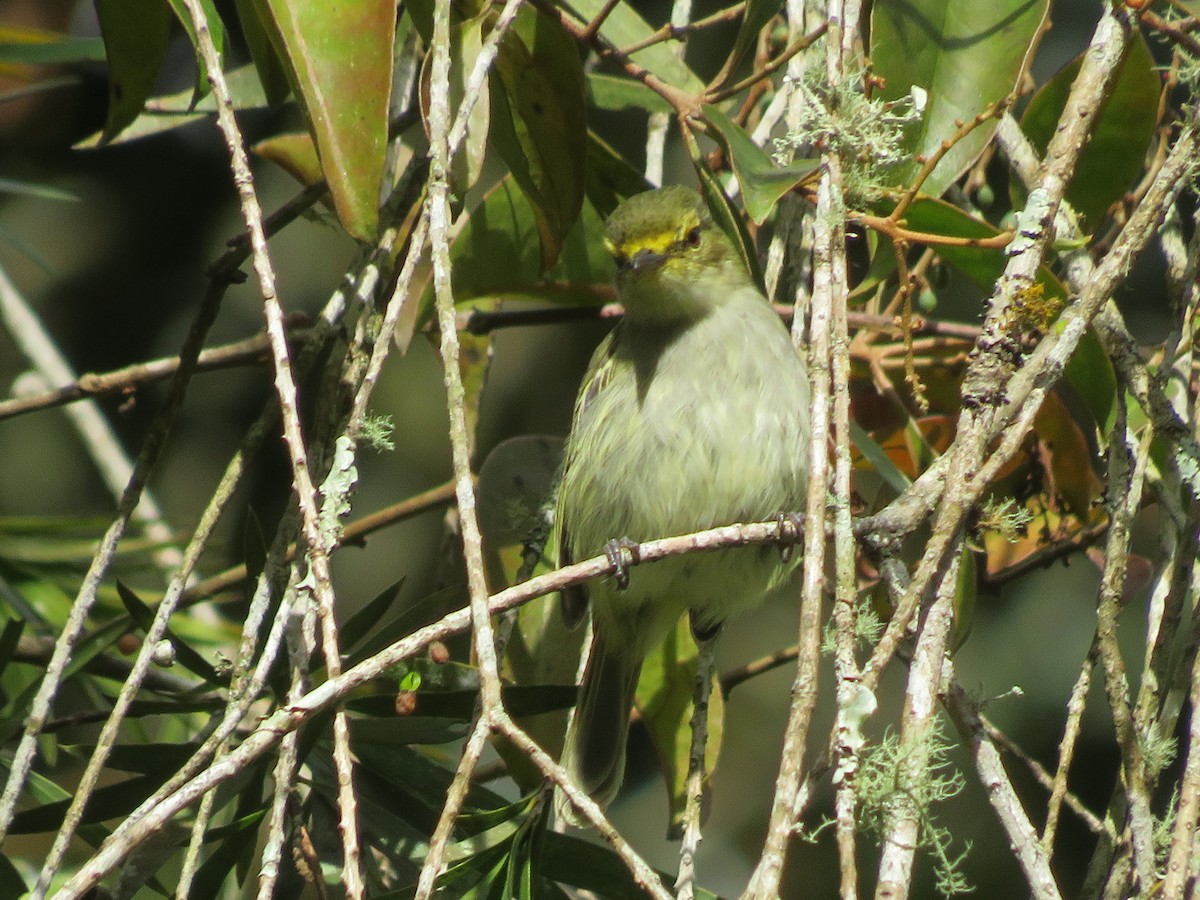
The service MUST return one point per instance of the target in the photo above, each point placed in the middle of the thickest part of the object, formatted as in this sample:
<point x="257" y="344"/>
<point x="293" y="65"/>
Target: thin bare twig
<point x="316" y="536"/>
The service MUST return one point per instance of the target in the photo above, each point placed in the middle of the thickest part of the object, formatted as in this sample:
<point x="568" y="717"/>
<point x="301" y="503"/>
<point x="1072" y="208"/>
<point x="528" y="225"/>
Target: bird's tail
<point x="594" y="751"/>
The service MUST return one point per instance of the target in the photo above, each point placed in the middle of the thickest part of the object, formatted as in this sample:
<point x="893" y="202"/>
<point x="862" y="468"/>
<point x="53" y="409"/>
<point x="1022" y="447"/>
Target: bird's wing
<point x="597" y="378"/>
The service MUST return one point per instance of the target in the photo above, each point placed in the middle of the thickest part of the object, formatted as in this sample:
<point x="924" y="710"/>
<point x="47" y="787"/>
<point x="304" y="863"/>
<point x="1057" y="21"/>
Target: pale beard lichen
<point x="866" y="133"/>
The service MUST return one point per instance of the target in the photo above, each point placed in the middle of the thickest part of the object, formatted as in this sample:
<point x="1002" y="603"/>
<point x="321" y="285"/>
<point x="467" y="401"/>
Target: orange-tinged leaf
<point x="295" y="153"/>
<point x="339" y="56"/>
<point x="1070" y="459"/>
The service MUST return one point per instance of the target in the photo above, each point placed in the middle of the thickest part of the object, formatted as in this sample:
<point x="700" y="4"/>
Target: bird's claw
<point x="622" y="553"/>
<point x="791" y="531"/>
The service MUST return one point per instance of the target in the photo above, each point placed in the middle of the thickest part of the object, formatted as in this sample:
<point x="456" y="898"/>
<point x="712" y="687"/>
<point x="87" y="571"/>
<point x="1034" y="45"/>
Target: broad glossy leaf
<point x="614" y="92"/>
<point x="503" y="228"/>
<point x="272" y="75"/>
<point x="1090" y="373"/>
<point x="965" y="55"/>
<point x="1112" y="160"/>
<point x="135" y="42"/>
<point x="763" y="183"/>
<point x="340" y="57"/>
<point x="538" y="123"/>
<point x="624" y="27"/>
<point x="983" y="265"/>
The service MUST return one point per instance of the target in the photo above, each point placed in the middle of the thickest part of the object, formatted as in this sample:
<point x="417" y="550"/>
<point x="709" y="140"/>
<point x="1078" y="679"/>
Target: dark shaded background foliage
<point x="124" y="270"/>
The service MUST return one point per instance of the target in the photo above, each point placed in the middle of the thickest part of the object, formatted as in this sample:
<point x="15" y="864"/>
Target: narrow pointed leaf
<point x="135" y="42"/>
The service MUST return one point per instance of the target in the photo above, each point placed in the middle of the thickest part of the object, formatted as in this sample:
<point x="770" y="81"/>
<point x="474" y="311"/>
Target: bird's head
<point x="673" y="262"/>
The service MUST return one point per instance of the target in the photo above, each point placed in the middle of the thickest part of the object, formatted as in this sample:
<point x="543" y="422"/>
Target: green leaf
<point x="763" y="182"/>
<point x="340" y="60"/>
<point x="109" y="802"/>
<point x="272" y="75"/>
<point x="40" y="191"/>
<point x="1113" y="159"/>
<point x="216" y="28"/>
<point x="466" y="42"/>
<point x="965" y="56"/>
<point x="610" y="179"/>
<point x="9" y="638"/>
<point x="580" y="863"/>
<point x="40" y="49"/>
<point x="878" y="458"/>
<point x="727" y="217"/>
<point x="983" y="265"/>
<point x="11" y="882"/>
<point x="360" y="624"/>
<point x="187" y="657"/>
<point x="150" y="758"/>
<point x="504" y="227"/>
<point x="614" y="92"/>
<point x="407" y="730"/>
<point x="1090" y="373"/>
<point x="237" y="846"/>
<point x="624" y="27"/>
<point x="539" y="125"/>
<point x="170" y="111"/>
<point x="135" y="33"/>
<point x="459" y="705"/>
<point x="755" y="16"/>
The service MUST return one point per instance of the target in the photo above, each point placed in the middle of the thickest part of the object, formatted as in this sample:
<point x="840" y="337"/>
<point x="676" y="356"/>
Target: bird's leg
<point x="791" y="533"/>
<point x="622" y="553"/>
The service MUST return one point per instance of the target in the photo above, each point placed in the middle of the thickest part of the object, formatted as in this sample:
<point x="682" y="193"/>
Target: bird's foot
<point x="623" y="554"/>
<point x="791" y="532"/>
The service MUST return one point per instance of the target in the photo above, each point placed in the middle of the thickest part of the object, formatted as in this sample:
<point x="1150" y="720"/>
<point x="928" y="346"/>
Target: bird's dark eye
<point x="692" y="238"/>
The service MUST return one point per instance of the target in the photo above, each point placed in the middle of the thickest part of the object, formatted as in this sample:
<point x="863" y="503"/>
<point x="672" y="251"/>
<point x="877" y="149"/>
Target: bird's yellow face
<point x="672" y="259"/>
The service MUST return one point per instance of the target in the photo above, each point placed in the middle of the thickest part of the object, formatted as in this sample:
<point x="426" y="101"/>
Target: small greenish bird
<point x="694" y="413"/>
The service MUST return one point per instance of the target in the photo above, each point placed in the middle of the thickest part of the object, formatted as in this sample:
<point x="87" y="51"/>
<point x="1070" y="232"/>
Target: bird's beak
<point x="644" y="261"/>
